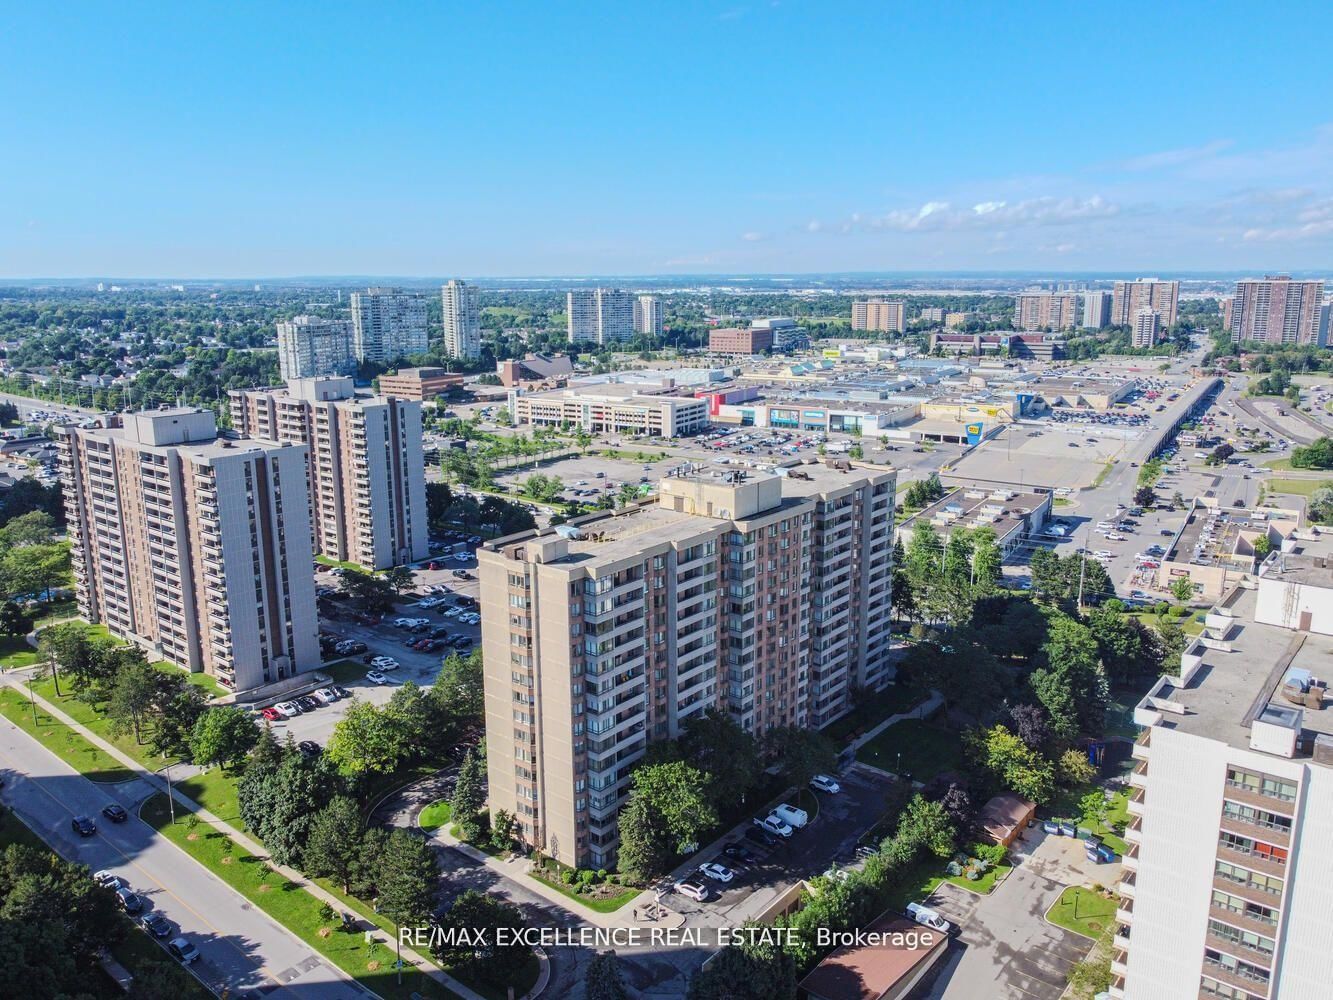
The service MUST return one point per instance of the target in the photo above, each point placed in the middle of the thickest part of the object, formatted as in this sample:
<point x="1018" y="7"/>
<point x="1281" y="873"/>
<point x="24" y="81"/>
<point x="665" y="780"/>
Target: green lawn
<point x="1082" y="911"/>
<point x="345" y="671"/>
<point x="1298" y="487"/>
<point x="872" y="710"/>
<point x="345" y="564"/>
<point x="215" y="790"/>
<point x="926" y="750"/>
<point x="1066" y="805"/>
<point x="15" y="652"/>
<point x="1279" y="464"/>
<point x="200" y="680"/>
<point x="84" y="714"/>
<point x="609" y="905"/>
<point x="292" y="907"/>
<point x="90" y="761"/>
<point x="434" y="815"/>
<point x="56" y="611"/>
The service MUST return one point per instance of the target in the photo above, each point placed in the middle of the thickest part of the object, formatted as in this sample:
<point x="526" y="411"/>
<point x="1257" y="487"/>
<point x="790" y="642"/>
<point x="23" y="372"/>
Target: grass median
<point x="371" y="965"/>
<point x="1083" y="911"/>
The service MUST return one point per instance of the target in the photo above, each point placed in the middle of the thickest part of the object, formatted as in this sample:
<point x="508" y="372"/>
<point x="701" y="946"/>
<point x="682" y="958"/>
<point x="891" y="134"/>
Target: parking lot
<point x="830" y="837"/>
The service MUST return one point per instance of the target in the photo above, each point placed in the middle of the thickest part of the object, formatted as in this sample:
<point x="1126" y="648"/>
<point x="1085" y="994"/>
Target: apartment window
<point x="1274" y="788"/>
<point x="1213" y="988"/>
<point x="1243" y="876"/>
<point x="1244" y="908"/>
<point x="1240" y="938"/>
<point x="1258" y="817"/>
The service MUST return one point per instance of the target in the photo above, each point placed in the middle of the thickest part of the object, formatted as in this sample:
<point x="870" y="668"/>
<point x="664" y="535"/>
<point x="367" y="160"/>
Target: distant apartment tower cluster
<point x="599" y="315"/>
<point x="765" y="596"/>
<point x="387" y="324"/>
<point x="1047" y="310"/>
<point x="1128" y="297"/>
<point x="1274" y="310"/>
<point x="196" y="547"/>
<point x="648" y="315"/>
<point x="461" y="312"/>
<point x="311" y="347"/>
<point x="880" y="315"/>
<point x="365" y="468"/>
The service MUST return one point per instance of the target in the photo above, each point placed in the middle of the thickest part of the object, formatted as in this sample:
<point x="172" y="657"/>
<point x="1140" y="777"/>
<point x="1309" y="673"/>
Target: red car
<point x="272" y="714"/>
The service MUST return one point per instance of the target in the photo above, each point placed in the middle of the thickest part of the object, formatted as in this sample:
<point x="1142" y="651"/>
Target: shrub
<point x="993" y="853"/>
<point x="585" y="877"/>
<point x="567" y="876"/>
<point x="601" y="874"/>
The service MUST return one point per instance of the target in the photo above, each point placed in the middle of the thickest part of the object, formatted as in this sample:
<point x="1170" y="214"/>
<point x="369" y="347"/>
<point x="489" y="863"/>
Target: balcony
<point x="1239" y="977"/>
<point x="1124" y="912"/>
<point x="1247" y="796"/>
<point x="1138" y="778"/>
<point x="1130" y="861"/>
<point x="1119" y="966"/>
<point x="1126" y="888"/>
<point x="1135" y="804"/>
<point x="1258" y="828"/>
<point x="1134" y="832"/>
<point x="1117" y="990"/>
<point x="1140" y="749"/>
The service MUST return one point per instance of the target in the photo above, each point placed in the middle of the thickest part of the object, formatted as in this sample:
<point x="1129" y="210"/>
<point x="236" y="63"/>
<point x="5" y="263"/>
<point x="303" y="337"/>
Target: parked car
<point x="287" y="709"/>
<point x="129" y="900"/>
<point x="694" y="888"/>
<point x="183" y="950"/>
<point x="155" y="924"/>
<point x="115" y="813"/>
<point x="792" y="816"/>
<point x="107" y="880"/>
<point x="761" y="836"/>
<point x="307" y="703"/>
<point x="384" y="663"/>
<point x="739" y="853"/>
<point x="83" y="826"/>
<point x="309" y="747"/>
<point x="350" y="647"/>
<point x="325" y="696"/>
<point x="461" y="641"/>
<point x="774" y="824"/>
<point x="375" y="677"/>
<point x="823" y="783"/>
<point x="927" y="917"/>
<point x="340" y="691"/>
<point x="271" y="714"/>
<point x="717" y="872"/>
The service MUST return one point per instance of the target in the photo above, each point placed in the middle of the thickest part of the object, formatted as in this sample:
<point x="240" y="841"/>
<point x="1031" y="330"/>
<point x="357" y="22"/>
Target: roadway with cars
<point x="241" y="950"/>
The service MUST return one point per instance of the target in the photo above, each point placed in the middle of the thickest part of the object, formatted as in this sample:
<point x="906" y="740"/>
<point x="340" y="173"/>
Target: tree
<point x="334" y="847"/>
<point x="65" y="647"/>
<point x="1182" y="589"/>
<point x="133" y="693"/>
<point x="925" y="825"/>
<point x="1220" y="454"/>
<point x="1119" y="639"/>
<point x="366" y="739"/>
<point x="678" y="794"/>
<point x="222" y="735"/>
<point x="1262" y="546"/>
<point x="1016" y="765"/>
<point x="1144" y="496"/>
<point x="487" y="917"/>
<point x="987" y="561"/>
<point x="1316" y="455"/>
<point x="717" y="745"/>
<point x="458" y="687"/>
<point x="644" y="847"/>
<point x="1320" y="508"/>
<point x="407" y="877"/>
<point x="14" y="621"/>
<point x="176" y="707"/>
<point x="1071" y="685"/>
<point x="800" y="753"/>
<point x="279" y="804"/>
<point x="1074" y="769"/>
<point x="468" y="798"/>
<point x="602" y="979"/>
<point x="374" y="593"/>
<point x="755" y="970"/>
<point x="399" y="579"/>
<point x="34" y="569"/>
<point x="1029" y="725"/>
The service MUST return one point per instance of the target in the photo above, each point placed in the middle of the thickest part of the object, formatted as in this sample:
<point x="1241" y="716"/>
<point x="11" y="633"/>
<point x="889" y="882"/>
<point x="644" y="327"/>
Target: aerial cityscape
<point x="625" y="502"/>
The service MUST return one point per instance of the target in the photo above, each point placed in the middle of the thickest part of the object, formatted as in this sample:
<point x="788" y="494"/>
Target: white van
<point x="791" y="815"/>
<point x="927" y="917"/>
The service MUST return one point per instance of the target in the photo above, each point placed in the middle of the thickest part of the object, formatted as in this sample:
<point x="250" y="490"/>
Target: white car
<point x="774" y="825"/>
<point x="384" y="663"/>
<point x="375" y="677"/>
<point x="453" y="612"/>
<point x="325" y="696"/>
<point x="109" y="881"/>
<point x="927" y="917"/>
<point x="717" y="872"/>
<point x="823" y="783"/>
<point x="793" y="817"/>
<point x="1115" y="536"/>
<point x="403" y="622"/>
<point x="287" y="710"/>
<point x="693" y="888"/>
<point x="470" y="618"/>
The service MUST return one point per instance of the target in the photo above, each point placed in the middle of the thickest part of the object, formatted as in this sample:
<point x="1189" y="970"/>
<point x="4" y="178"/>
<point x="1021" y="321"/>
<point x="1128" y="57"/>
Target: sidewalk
<point x="920" y="712"/>
<point x="255" y="848"/>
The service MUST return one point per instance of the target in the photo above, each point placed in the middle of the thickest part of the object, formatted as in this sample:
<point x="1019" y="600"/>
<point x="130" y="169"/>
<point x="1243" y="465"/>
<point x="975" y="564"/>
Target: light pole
<point x="171" y="801"/>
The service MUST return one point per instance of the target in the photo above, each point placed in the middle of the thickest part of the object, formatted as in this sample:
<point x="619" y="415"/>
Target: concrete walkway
<point x="920" y="712"/>
<point x="254" y="847"/>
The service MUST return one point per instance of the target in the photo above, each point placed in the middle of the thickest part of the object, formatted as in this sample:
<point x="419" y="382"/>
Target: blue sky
<point x="271" y="139"/>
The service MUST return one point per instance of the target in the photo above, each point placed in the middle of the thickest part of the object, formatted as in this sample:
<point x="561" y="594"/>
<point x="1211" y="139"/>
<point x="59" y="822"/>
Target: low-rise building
<point x="535" y="369"/>
<point x="734" y="340"/>
<point x="419" y="383"/>
<point x="1215" y="550"/>
<point x="613" y="408"/>
<point x="1016" y="516"/>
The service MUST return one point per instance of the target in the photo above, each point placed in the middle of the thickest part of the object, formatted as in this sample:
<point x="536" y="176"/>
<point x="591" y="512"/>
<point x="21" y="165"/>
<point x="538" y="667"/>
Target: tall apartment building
<point x="648" y="315"/>
<point x="1128" y="297"/>
<point x="599" y="315"/>
<point x="310" y="347"/>
<point x="933" y="314"/>
<point x="764" y="596"/>
<point x="365" y="466"/>
<point x="1275" y="310"/>
<point x="387" y="324"/>
<point x="1147" y="328"/>
<point x="1096" y="310"/>
<point x="461" y="304"/>
<point x="879" y="314"/>
<point x="1043" y="310"/>
<point x="195" y="547"/>
<point x="1225" y="889"/>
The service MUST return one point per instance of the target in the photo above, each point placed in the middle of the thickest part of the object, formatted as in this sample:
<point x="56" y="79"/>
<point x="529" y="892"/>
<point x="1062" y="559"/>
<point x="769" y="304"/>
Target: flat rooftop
<point x="1230" y="688"/>
<point x="1209" y="536"/>
<point x="1003" y="510"/>
<point x="1310" y="563"/>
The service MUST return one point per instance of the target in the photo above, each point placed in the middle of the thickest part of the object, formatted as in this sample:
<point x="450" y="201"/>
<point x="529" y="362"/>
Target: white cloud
<point x="1176" y="157"/>
<point x="941" y="216"/>
<point x="754" y="237"/>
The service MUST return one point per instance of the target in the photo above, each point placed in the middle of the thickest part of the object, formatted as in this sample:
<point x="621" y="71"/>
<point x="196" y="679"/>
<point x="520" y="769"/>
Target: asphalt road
<point x="243" y="951"/>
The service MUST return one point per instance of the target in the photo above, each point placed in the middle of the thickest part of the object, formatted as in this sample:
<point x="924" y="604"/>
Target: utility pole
<point x="1083" y="565"/>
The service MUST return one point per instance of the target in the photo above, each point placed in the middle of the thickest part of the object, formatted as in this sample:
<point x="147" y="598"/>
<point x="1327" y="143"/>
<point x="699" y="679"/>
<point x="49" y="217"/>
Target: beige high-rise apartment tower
<point x="1047" y="310"/>
<point x="195" y="547"/>
<point x="765" y="596"/>
<point x="461" y="311"/>
<point x="1128" y="297"/>
<point x="879" y="314"/>
<point x="1276" y="310"/>
<point x="366" y="468"/>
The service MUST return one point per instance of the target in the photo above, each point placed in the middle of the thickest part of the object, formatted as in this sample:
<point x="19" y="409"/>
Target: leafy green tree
<point x="987" y="561"/>
<point x="1074" y="769"/>
<point x="458" y="688"/>
<point x="800" y="753"/>
<point x="602" y="979"/>
<point x="645" y="848"/>
<point x="14" y="621"/>
<point x="1144" y="496"/>
<point x="372" y="592"/>
<point x="678" y="794"/>
<point x="279" y="804"/>
<point x="1182" y="589"/>
<point x="223" y="735"/>
<point x="176" y="707"/>
<point x="399" y="579"/>
<point x="757" y="970"/>
<point x="408" y="876"/>
<point x="487" y="916"/>
<point x="334" y="847"/>
<point x="132" y="697"/>
<point x="468" y="798"/>
<point x="1071" y="685"/>
<point x="925" y="826"/>
<point x="1014" y="764"/>
<point x="34" y="569"/>
<point x="366" y="739"/>
<point x="1119" y="638"/>
<point x="1320" y="508"/>
<point x="717" y="745"/>
<point x="1316" y="455"/>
